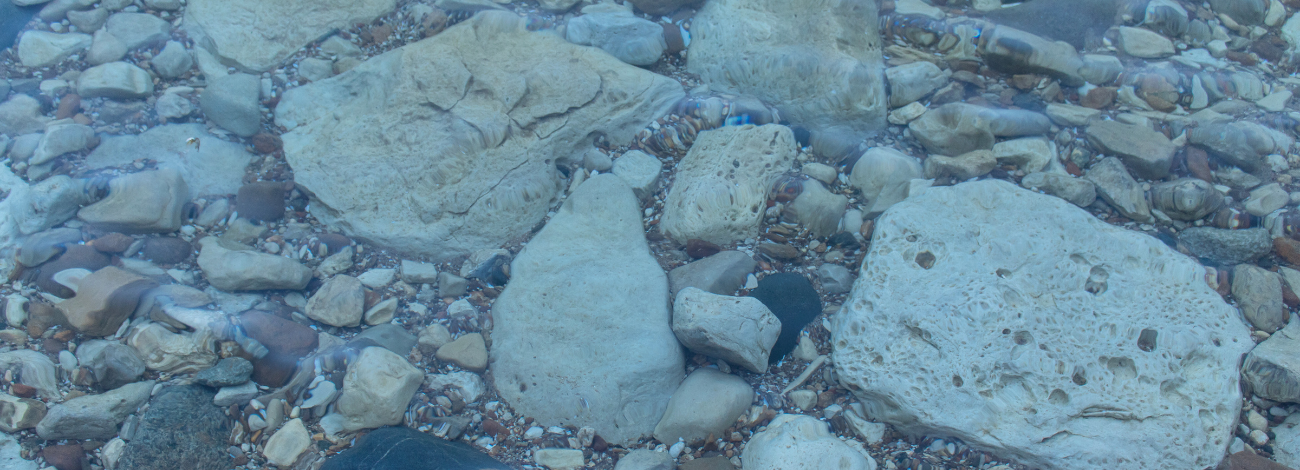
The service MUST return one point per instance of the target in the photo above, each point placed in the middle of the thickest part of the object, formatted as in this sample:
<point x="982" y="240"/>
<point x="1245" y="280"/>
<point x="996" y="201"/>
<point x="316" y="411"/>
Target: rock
<point x="1120" y="190"/>
<point x="632" y="40"/>
<point x="176" y="353"/>
<point x="117" y="80"/>
<point x="480" y="163"/>
<point x="93" y="416"/>
<point x="34" y="370"/>
<point x="798" y="441"/>
<point x="65" y="456"/>
<point x="1186" y="198"/>
<point x="433" y="337"/>
<point x="1241" y="143"/>
<point x="1266" y="199"/>
<point x="41" y="246"/>
<point x="235" y="394"/>
<point x="315" y="69"/>
<point x="11" y="454"/>
<point x="17" y="414"/>
<point x="645" y="459"/>
<point x="1070" y="115"/>
<point x="376" y="390"/>
<point x="722" y="273"/>
<point x="835" y="279"/>
<point x="469" y="352"/>
<point x="1017" y="52"/>
<point x="221" y="27"/>
<point x="145" y="202"/>
<point x="718" y="198"/>
<point x="704" y="404"/>
<point x="883" y="175"/>
<point x="336" y="263"/>
<point x="596" y="239"/>
<point x="233" y="267"/>
<point x="229" y="371"/>
<point x="284" y="447"/>
<point x="216" y="167"/>
<point x="1028" y="154"/>
<point x="167" y="250"/>
<point x="906" y="114"/>
<point x="181" y="430"/>
<point x="1271" y="368"/>
<point x="287" y="341"/>
<point x="1226" y="247"/>
<point x="559" y="459"/>
<point x="105" y="48"/>
<point x="757" y="50"/>
<point x="640" y="171"/>
<point x="1148" y="153"/>
<point x="821" y="172"/>
<point x="953" y="129"/>
<point x="89" y="20"/>
<point x="232" y="103"/>
<point x="779" y="251"/>
<point x="818" y="209"/>
<point x="451" y="285"/>
<point x="21" y="115"/>
<point x="1244" y="12"/>
<point x="794" y="302"/>
<point x="111" y="364"/>
<point x="415" y="272"/>
<point x="381" y="313"/>
<point x="400" y="448"/>
<point x="340" y="301"/>
<point x="388" y="336"/>
<point x="137" y="30"/>
<point x="973" y="164"/>
<point x="911" y="82"/>
<point x="173" y="61"/>
<point x="1104" y="270"/>
<point x="469" y="384"/>
<point x="38" y="49"/>
<point x="104" y="300"/>
<point x="661" y="7"/>
<point x="739" y="330"/>
<point x="1259" y="296"/>
<point x="1144" y="43"/>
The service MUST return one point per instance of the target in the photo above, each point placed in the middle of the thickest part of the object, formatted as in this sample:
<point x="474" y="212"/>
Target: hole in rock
<point x="1147" y="340"/>
<point x="1022" y="337"/>
<point x="925" y="259"/>
<point x="1058" y="397"/>
<point x="1079" y="377"/>
<point x="1002" y="272"/>
<point x="956" y="381"/>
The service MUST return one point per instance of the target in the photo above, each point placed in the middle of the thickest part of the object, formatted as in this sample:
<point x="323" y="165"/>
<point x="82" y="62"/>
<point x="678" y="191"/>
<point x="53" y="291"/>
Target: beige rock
<point x="468" y="351"/>
<point x="280" y="28"/>
<point x="376" y="390"/>
<point x="231" y="267"/>
<point x="175" y="353"/>
<point x="17" y="414"/>
<point x="145" y="202"/>
<point x="339" y="302"/>
<point x="104" y="300"/>
<point x="284" y="447"/>
<point x="739" y="330"/>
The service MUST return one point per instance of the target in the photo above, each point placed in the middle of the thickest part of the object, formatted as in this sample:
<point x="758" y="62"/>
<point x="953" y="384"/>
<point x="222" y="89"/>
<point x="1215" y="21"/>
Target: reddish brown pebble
<point x="77" y="256"/>
<point x="598" y="444"/>
<point x="1099" y="98"/>
<point x="42" y="316"/>
<point x="494" y="429"/>
<point x="1288" y="295"/>
<point x="65" y="335"/>
<point x="1288" y="249"/>
<point x="287" y="341"/>
<point x="1244" y="58"/>
<point x="65" y="457"/>
<point x="69" y="105"/>
<point x="673" y="38"/>
<point x="266" y="144"/>
<point x="112" y="243"/>
<point x="1247" y="460"/>
<point x="22" y="390"/>
<point x="697" y="248"/>
<point x="1198" y="163"/>
<point x="378" y="34"/>
<point x="1024" y="82"/>
<point x="53" y="346"/>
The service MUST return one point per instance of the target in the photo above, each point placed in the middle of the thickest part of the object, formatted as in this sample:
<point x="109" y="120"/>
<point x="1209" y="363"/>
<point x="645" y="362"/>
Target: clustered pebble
<point x="650" y="234"/>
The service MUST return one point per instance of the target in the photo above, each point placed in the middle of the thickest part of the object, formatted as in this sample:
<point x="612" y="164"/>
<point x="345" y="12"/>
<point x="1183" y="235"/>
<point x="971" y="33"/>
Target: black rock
<point x="493" y="271"/>
<point x="261" y="201"/>
<point x="229" y="371"/>
<point x="402" y="448"/>
<point x="844" y="240"/>
<point x="794" y="301"/>
<point x="12" y="20"/>
<point x="182" y="429"/>
<point x="167" y="250"/>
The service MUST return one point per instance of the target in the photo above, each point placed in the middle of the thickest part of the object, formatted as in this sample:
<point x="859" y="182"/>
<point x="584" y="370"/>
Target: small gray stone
<point x="242" y="231"/>
<point x="1273" y="367"/>
<point x="721" y="273"/>
<point x="1144" y="43"/>
<point x="338" y="302"/>
<point x="640" y="171"/>
<point x="1146" y="152"/>
<point x="235" y="394"/>
<point x="42" y="48"/>
<point x="818" y="209"/>
<point x="21" y="115"/>
<point x="315" y="69"/>
<point x="1227" y="247"/>
<point x="415" y="272"/>
<point x="338" y="47"/>
<point x="911" y="82"/>
<point x="57" y="10"/>
<point x="232" y="103"/>
<point x="1100" y="69"/>
<point x="93" y="416"/>
<point x="231" y="267"/>
<point x="835" y="279"/>
<point x="173" y="106"/>
<point x="112" y="364"/>
<point x="433" y="337"/>
<point x="145" y="202"/>
<point x="451" y="285"/>
<point x="1186" y="198"/>
<point x="229" y="371"/>
<point x="89" y="20"/>
<point x="645" y="459"/>
<point x="1241" y="143"/>
<point x="137" y="30"/>
<point x="821" y="172"/>
<point x="118" y="80"/>
<point x="388" y="336"/>
<point x="704" y="404"/>
<point x="973" y="164"/>
<point x="1244" y="12"/>
<point x="1078" y="191"/>
<point x="105" y="48"/>
<point x="739" y="330"/>
<point x="1266" y="199"/>
<point x="61" y="137"/>
<point x="173" y="61"/>
<point x="166" y="5"/>
<point x="1070" y="115"/>
<point x="1259" y="296"/>
<point x="1119" y="189"/>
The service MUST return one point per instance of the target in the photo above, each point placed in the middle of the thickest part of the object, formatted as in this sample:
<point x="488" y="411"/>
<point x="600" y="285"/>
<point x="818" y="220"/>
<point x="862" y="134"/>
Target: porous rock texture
<point x="1021" y="324"/>
<point x="818" y="61"/>
<point x="583" y="332"/>
<point x="450" y="144"/>
<point x="255" y="36"/>
<point x="722" y="184"/>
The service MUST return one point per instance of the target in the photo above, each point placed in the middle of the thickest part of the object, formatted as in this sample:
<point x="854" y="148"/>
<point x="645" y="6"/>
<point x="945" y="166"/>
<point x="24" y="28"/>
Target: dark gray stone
<point x="1272" y="368"/>
<point x="1259" y="296"/>
<point x="721" y="274"/>
<point x="835" y="279"/>
<point x="1072" y="21"/>
<point x="388" y="336"/>
<point x="182" y="429"/>
<point x="227" y="372"/>
<point x="112" y="364"/>
<point x="1224" y="247"/>
<point x="401" y="448"/>
<point x="794" y="301"/>
<point x="231" y="102"/>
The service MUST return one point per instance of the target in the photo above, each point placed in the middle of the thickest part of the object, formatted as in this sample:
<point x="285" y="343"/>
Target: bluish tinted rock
<point x="227" y="372"/>
<point x="182" y="429"/>
<point x="402" y="448"/>
<point x="794" y="301"/>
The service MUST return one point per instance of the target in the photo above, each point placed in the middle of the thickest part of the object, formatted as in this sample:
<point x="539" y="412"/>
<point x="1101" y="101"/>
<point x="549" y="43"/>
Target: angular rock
<point x="376" y="390"/>
<point x="229" y="371"/>
<point x="973" y="164"/>
<point x="1245" y="12"/>
<point x="1271" y="368"/>
<point x="820" y="63"/>
<point x="1014" y="51"/>
<point x="173" y="106"/>
<point x="144" y="202"/>
<point x="1186" y="198"/>
<point x="181" y="430"/>
<point x="640" y="171"/>
<point x="117" y="80"/>
<point x="646" y="459"/>
<point x="1029" y="154"/>
<point x="559" y="459"/>
<point x="722" y="273"/>
<point x="1078" y="191"/>
<point x="38" y="49"/>
<point x="719" y="197"/>
<point x="315" y="69"/>
<point x="835" y="279"/>
<point x="340" y="301"/>
<point x="818" y="209"/>
<point x="918" y="371"/>
<point x="388" y="336"/>
<point x="1241" y="143"/>
<point x="235" y="394"/>
<point x="173" y="61"/>
<point x="137" y="30"/>
<point x="167" y="250"/>
<point x="1148" y="153"/>
<point x="884" y="175"/>
<point x="1119" y="189"/>
<point x="497" y="105"/>
<point x="632" y="40"/>
<point x="433" y="337"/>
<point x="216" y="167"/>
<point x="111" y="364"/>
<point x="739" y="330"/>
<point x="232" y="103"/>
<point x="911" y="82"/>
<point x="799" y="441"/>
<point x="41" y="246"/>
<point x="105" y="48"/>
<point x="596" y="239"/>
<point x="1266" y="199"/>
<point x="233" y="267"/>
<point x="17" y="414"/>
<point x="704" y="404"/>
<point x="468" y="351"/>
<point x="284" y="447"/>
<point x="1259" y="296"/>
<point x="222" y="27"/>
<point x="953" y="129"/>
<point x="400" y="448"/>
<point x="287" y="341"/>
<point x="176" y="353"/>
<point x="104" y="300"/>
<point x="93" y="416"/>
<point x="1070" y="115"/>
<point x="1226" y="247"/>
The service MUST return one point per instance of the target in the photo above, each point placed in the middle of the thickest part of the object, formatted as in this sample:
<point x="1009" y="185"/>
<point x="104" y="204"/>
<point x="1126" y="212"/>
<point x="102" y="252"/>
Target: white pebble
<point x="1258" y="437"/>
<point x="676" y="449"/>
<point x="534" y="432"/>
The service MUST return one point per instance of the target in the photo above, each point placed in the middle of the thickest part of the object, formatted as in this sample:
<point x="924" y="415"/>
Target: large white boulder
<point x="818" y="61"/>
<point x="1020" y="324"/>
<point x="256" y="36"/>
<point x="449" y="145"/>
<point x="721" y="186"/>
<point x="582" y="333"/>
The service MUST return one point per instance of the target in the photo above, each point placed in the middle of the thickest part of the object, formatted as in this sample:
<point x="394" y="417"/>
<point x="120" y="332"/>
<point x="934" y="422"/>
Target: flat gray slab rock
<point x="215" y="167"/>
<point x="450" y="144"/>
<point x="582" y="332"/>
<point x="256" y="36"/>
<point x="1023" y="325"/>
